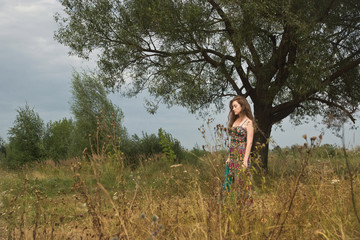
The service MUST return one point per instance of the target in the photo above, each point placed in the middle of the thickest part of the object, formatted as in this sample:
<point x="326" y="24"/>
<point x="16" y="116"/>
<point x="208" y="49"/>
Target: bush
<point x="138" y="148"/>
<point x="327" y="151"/>
<point x="2" y="150"/>
<point x="57" y="139"/>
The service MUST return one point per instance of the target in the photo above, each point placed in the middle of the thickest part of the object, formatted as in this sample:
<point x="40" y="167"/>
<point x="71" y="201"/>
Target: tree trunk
<point x="262" y="134"/>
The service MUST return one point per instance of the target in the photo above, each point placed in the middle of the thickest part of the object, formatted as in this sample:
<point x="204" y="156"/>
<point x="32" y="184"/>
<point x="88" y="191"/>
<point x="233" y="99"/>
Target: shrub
<point x="25" y="141"/>
<point x="138" y="148"/>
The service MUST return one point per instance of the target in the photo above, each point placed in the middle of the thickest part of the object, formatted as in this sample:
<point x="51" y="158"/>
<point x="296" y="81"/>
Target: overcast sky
<point x="36" y="70"/>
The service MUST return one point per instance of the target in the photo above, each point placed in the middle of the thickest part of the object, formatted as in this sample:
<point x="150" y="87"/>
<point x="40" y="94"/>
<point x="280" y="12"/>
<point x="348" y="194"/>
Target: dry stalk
<point x="115" y="209"/>
<point x="96" y="219"/>
<point x="22" y="219"/>
<point x="37" y="213"/>
<point x="351" y="176"/>
<point x="280" y="223"/>
<point x="130" y="211"/>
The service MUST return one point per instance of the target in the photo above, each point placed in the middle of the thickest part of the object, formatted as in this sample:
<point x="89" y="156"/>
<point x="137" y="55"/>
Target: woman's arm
<point x="249" y="140"/>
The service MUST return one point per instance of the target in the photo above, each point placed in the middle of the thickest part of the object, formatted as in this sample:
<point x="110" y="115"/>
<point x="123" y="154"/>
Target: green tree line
<point x="95" y="117"/>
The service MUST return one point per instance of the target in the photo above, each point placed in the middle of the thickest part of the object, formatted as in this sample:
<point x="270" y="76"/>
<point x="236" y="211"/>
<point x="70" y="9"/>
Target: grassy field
<point x="307" y="193"/>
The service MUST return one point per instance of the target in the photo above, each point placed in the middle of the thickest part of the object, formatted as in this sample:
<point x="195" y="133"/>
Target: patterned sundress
<point x="234" y="169"/>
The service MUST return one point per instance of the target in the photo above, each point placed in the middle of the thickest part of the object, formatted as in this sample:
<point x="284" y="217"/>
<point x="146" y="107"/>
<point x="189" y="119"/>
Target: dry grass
<point x="164" y="201"/>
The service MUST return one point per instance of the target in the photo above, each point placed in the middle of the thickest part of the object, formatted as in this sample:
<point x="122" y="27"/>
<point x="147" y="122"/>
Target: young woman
<point x="241" y="131"/>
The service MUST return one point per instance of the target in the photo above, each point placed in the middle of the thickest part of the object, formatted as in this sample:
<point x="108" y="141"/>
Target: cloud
<point x="34" y="69"/>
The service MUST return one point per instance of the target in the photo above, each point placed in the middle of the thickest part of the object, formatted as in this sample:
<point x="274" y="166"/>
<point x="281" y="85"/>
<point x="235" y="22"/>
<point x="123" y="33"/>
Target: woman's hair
<point x="245" y="108"/>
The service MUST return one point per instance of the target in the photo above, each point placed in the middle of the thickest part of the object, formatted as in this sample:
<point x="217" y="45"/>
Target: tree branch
<point x="228" y="26"/>
<point x="254" y="54"/>
<point x="231" y="80"/>
<point x="333" y="104"/>
<point x="283" y="110"/>
<point x="338" y="73"/>
<point x="284" y="72"/>
<point x="237" y="62"/>
<point x="278" y="58"/>
<point x="326" y="12"/>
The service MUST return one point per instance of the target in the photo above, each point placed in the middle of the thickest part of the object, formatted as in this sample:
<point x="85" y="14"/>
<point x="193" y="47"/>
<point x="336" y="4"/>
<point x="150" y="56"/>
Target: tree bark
<point x="262" y="133"/>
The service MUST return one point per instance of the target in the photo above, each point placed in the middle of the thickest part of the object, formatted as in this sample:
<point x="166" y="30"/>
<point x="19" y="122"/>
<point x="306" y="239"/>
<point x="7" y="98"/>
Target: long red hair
<point x="245" y="108"/>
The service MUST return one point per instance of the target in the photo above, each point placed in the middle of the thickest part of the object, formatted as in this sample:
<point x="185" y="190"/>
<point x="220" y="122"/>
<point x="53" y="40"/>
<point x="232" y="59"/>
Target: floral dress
<point x="234" y="170"/>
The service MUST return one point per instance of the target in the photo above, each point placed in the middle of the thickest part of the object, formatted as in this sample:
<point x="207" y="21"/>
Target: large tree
<point x="296" y="57"/>
<point x="25" y="138"/>
<point x="94" y="113"/>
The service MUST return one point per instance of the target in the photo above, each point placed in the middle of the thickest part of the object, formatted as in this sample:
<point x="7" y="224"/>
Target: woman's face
<point x="236" y="107"/>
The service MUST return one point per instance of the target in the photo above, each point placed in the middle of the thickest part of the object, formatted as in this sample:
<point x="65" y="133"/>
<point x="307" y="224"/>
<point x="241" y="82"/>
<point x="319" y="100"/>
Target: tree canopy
<point x="25" y="138"/>
<point x="296" y="57"/>
<point x="89" y="106"/>
<point x="57" y="139"/>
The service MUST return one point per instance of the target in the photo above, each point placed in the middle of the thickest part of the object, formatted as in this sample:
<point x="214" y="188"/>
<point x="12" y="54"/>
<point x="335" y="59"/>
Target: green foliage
<point x="139" y="148"/>
<point x="25" y="138"/>
<point x="2" y="150"/>
<point x="89" y="106"/>
<point x="291" y="58"/>
<point x="58" y="138"/>
<point x="193" y="155"/>
<point x="167" y="144"/>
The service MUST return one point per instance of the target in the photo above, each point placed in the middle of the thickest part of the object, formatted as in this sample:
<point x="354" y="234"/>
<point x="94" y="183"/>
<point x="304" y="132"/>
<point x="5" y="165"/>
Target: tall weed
<point x="304" y="195"/>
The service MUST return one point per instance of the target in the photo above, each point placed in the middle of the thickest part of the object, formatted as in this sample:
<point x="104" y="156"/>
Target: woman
<point x="241" y="130"/>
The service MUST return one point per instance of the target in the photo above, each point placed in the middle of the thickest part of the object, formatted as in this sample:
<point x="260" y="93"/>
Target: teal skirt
<point x="229" y="179"/>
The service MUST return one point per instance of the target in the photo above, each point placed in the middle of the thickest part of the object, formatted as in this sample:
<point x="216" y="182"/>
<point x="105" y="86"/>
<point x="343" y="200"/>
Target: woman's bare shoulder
<point x="249" y="122"/>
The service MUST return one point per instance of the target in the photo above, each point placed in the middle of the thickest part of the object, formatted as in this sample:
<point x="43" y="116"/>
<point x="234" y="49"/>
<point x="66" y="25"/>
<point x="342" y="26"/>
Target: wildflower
<point x="115" y="196"/>
<point x="334" y="181"/>
<point x="304" y="136"/>
<point x="154" y="218"/>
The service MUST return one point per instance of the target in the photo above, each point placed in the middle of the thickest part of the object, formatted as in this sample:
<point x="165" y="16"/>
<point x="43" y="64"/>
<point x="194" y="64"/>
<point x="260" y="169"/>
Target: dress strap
<point x="243" y="122"/>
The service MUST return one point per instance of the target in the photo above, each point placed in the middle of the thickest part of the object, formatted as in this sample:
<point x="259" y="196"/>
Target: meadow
<point x="310" y="191"/>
